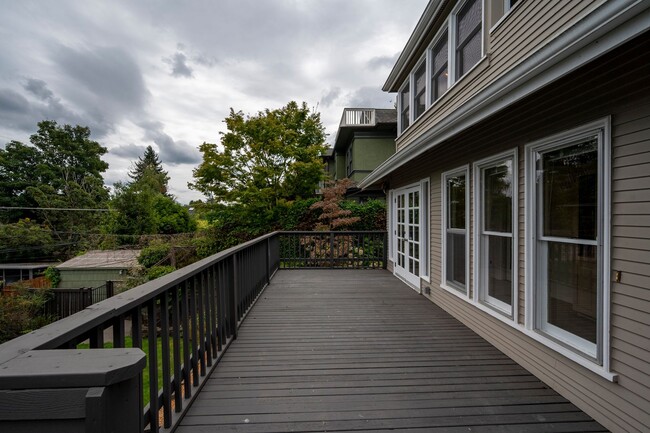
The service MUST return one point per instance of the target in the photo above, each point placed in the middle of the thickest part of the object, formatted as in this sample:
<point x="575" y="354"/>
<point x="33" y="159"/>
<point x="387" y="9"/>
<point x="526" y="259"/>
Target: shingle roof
<point x="109" y="259"/>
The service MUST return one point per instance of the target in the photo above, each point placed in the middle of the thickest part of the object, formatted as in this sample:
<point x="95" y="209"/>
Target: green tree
<point x="262" y="161"/>
<point x="148" y="163"/>
<point x="61" y="169"/>
<point x="25" y="240"/>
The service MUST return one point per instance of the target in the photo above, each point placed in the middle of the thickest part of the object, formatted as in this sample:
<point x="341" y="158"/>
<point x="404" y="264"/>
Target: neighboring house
<point x="94" y="268"/>
<point x="365" y="139"/>
<point x="13" y="272"/>
<point x="520" y="191"/>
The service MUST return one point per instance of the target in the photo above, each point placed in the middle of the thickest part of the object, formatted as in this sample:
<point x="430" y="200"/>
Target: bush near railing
<point x="353" y="250"/>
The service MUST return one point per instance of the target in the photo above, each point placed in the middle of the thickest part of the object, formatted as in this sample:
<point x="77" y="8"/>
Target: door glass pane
<point x="456" y="202"/>
<point x="572" y="288"/>
<point x="456" y="259"/>
<point x="497" y="197"/>
<point x="569" y="190"/>
<point x="499" y="268"/>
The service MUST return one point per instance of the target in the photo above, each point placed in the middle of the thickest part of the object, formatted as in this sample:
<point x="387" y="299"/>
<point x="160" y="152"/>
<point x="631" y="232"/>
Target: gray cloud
<point x="370" y="97"/>
<point x="382" y="61"/>
<point x="129" y="151"/>
<point x="38" y="88"/>
<point x="106" y="77"/>
<point x="171" y="152"/>
<point x="330" y="96"/>
<point x="179" y="65"/>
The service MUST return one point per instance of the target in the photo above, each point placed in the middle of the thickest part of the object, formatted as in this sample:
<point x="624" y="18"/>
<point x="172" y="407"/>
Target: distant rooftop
<point x="361" y="119"/>
<point x="109" y="259"/>
<point x="35" y="265"/>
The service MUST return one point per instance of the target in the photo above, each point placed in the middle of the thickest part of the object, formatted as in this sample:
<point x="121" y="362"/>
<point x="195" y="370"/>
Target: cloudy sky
<point x="166" y="73"/>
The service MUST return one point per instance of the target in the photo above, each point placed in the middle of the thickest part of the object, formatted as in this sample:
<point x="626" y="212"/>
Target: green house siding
<point x="368" y="153"/>
<point x="340" y="167"/>
<point x="76" y="278"/>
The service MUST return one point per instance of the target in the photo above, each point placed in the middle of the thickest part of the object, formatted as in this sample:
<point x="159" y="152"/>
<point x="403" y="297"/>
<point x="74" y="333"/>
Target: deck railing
<point x="152" y="347"/>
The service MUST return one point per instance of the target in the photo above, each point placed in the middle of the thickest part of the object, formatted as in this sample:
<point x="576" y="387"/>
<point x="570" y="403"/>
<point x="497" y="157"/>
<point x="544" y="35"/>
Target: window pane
<point x="468" y="18"/>
<point x="440" y="53"/>
<point x="405" y="101"/>
<point x="420" y="78"/>
<point x="499" y="268"/>
<point x="456" y="259"/>
<point x="569" y="179"/>
<point x="497" y="196"/>
<point x="456" y="202"/>
<point x="469" y="55"/>
<point x="439" y="68"/>
<point x="441" y="83"/>
<point x="572" y="289"/>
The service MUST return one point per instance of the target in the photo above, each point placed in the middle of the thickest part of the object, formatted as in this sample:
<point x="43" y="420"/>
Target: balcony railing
<point x="152" y="347"/>
<point x="358" y="116"/>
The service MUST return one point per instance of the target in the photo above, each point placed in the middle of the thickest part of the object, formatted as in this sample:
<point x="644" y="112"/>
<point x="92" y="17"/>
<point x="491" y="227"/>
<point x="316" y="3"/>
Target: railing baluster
<point x="200" y="311"/>
<point x="153" y="365"/>
<point x="212" y="293"/>
<point x="176" y="341"/>
<point x="194" y="333"/>
<point x="119" y="336"/>
<point x="187" y="349"/>
<point x="165" y="353"/>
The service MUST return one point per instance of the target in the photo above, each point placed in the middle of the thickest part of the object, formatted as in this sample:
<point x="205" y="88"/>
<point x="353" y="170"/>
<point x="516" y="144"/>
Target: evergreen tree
<point x="147" y="164"/>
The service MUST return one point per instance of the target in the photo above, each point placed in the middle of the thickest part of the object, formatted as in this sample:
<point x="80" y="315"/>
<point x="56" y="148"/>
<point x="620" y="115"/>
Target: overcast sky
<point x="166" y="73"/>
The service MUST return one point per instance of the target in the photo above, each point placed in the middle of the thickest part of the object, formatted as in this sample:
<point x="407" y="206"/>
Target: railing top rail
<point x="62" y="331"/>
<point x="336" y="232"/>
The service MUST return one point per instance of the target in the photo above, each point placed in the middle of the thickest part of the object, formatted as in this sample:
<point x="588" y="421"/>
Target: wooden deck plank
<point x="344" y="350"/>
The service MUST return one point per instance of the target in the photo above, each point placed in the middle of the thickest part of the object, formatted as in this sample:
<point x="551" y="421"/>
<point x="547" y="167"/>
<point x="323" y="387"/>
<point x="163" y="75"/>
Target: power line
<point x="54" y="208"/>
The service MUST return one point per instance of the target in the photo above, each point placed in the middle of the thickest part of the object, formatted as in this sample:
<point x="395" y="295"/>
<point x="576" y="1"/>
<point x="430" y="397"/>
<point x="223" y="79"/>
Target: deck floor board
<point x="359" y="351"/>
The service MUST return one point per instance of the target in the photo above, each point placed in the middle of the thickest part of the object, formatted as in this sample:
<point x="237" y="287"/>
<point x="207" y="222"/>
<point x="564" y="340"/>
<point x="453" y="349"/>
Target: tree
<point x="61" y="169"/>
<point x="333" y="216"/>
<point x="25" y="240"/>
<point x="150" y="162"/>
<point x="262" y="161"/>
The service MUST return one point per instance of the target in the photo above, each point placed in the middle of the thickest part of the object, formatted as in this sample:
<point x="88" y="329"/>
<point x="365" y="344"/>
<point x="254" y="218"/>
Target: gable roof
<point x="108" y="259"/>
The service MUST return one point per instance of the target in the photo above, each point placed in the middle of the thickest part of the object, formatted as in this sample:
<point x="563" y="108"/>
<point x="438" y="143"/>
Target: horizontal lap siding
<point x="531" y="25"/>
<point x="581" y="97"/>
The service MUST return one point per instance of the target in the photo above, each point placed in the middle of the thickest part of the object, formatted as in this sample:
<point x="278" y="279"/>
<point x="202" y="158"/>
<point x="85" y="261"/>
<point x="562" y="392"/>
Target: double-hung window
<point x="496" y="228"/>
<point x="469" y="45"/>
<point x="455" y="219"/>
<point x="420" y="90"/>
<point x="567" y="211"/>
<point x="440" y="67"/>
<point x="405" y="105"/>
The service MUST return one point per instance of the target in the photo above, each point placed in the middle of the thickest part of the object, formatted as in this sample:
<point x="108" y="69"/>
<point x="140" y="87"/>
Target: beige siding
<point x="616" y="86"/>
<point x="529" y="27"/>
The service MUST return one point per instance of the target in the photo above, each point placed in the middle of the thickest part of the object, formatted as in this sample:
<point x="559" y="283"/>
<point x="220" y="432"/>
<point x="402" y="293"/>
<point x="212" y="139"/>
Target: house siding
<point x="528" y="28"/>
<point x="617" y="86"/>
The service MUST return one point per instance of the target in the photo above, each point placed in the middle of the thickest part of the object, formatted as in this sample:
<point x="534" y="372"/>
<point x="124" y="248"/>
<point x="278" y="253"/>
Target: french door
<point x="406" y="233"/>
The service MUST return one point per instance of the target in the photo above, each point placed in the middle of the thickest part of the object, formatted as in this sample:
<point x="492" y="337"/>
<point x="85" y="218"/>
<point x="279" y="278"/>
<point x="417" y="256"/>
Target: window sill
<point x="455" y="292"/>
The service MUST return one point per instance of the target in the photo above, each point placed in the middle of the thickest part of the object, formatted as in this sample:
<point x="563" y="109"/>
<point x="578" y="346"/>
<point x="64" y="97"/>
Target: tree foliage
<point x="61" y="169"/>
<point x="333" y="216"/>
<point x="25" y="241"/>
<point x="263" y="160"/>
<point x="149" y="164"/>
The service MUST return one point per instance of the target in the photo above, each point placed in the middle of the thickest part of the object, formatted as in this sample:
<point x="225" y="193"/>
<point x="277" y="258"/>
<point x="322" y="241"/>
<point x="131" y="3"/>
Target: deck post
<point x="385" y="243"/>
<point x="70" y="390"/>
<point x="268" y="260"/>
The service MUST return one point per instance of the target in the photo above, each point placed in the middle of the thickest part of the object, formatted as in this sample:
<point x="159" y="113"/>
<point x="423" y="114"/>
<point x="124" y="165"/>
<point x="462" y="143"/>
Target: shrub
<point x="372" y="214"/>
<point x="21" y="311"/>
<point x="153" y="254"/>
<point x="158" y="271"/>
<point x="53" y="275"/>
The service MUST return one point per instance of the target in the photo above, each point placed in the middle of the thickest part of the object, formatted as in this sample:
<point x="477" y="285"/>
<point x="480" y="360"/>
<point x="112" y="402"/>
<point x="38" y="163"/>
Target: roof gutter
<point x="607" y="27"/>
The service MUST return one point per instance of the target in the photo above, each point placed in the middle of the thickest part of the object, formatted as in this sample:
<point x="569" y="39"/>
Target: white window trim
<point x="603" y="128"/>
<point x="425" y="231"/>
<point x="496" y="308"/>
<point x="391" y="224"/>
<point x="463" y="170"/>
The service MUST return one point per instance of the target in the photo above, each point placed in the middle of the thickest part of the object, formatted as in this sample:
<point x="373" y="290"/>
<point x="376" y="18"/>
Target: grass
<point x="128" y="342"/>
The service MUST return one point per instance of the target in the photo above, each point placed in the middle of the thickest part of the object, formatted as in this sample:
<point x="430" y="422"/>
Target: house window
<point x="566" y="182"/>
<point x="439" y="67"/>
<point x="404" y="100"/>
<point x="455" y="237"/>
<point x="469" y="20"/>
<point x="496" y="240"/>
<point x="419" y="91"/>
<point x="348" y="157"/>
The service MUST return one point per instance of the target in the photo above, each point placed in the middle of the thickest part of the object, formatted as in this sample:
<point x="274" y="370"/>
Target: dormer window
<point x="468" y="36"/>
<point x="419" y="100"/>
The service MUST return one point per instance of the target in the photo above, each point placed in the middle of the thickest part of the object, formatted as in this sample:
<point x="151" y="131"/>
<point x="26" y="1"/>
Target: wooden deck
<point x="349" y="350"/>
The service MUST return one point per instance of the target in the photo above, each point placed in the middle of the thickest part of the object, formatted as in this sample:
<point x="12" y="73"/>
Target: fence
<point x="180" y="326"/>
<point x="66" y="302"/>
